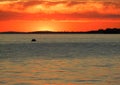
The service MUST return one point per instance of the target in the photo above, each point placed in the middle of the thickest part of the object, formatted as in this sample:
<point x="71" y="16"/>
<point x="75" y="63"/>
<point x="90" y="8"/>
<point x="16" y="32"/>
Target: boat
<point x="33" y="40"/>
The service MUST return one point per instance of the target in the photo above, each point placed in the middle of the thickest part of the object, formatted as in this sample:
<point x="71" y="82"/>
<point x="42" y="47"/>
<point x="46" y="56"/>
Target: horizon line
<point x="61" y="31"/>
<point x="99" y="31"/>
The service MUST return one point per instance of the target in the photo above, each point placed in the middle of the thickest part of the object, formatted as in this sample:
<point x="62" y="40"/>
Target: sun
<point x="46" y="28"/>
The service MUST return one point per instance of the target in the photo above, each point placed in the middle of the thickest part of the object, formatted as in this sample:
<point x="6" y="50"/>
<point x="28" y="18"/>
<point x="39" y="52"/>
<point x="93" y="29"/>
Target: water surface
<point x="67" y="59"/>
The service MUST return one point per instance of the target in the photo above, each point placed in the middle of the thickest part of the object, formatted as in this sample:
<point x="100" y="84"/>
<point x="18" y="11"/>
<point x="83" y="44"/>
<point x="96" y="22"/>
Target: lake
<point x="60" y="59"/>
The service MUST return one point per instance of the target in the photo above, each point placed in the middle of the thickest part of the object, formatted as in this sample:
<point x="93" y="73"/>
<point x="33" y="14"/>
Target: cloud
<point x="7" y="0"/>
<point x="59" y="9"/>
<point x="10" y="15"/>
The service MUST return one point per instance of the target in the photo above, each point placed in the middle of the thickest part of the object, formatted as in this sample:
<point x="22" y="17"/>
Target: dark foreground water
<point x="60" y="59"/>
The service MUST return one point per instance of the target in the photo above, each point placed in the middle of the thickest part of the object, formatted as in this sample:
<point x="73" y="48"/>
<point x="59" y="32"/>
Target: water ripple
<point x="87" y="81"/>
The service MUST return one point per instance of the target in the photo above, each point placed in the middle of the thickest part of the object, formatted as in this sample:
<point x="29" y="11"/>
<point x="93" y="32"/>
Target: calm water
<point x="60" y="59"/>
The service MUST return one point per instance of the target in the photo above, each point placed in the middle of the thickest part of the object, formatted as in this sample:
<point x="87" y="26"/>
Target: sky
<point x="59" y="15"/>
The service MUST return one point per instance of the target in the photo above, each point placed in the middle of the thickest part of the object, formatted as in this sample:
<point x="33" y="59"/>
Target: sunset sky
<point x="59" y="15"/>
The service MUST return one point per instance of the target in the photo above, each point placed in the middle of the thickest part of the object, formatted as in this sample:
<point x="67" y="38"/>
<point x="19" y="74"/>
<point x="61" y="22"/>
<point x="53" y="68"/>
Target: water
<point x="67" y="59"/>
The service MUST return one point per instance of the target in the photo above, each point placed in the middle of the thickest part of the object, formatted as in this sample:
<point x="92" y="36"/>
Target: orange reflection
<point x="48" y="72"/>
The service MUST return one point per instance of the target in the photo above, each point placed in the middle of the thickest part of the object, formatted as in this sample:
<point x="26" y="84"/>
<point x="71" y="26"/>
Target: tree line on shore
<point x="107" y="31"/>
<point x="100" y="31"/>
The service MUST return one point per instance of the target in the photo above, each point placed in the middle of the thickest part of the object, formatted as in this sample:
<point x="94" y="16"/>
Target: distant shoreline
<point x="100" y="31"/>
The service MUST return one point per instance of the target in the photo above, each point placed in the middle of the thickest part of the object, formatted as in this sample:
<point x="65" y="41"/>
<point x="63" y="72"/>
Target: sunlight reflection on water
<point x="84" y="71"/>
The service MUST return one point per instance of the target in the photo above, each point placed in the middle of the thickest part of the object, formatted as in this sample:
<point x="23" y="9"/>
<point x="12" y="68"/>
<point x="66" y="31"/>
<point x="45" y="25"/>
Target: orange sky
<point x="59" y="15"/>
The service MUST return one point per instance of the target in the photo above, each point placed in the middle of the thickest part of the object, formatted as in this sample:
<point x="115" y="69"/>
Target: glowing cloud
<point x="58" y="15"/>
<point x="65" y="9"/>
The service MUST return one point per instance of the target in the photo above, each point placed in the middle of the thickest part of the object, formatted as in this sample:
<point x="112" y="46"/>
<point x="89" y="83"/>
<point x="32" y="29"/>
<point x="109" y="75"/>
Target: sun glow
<point x="46" y="28"/>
